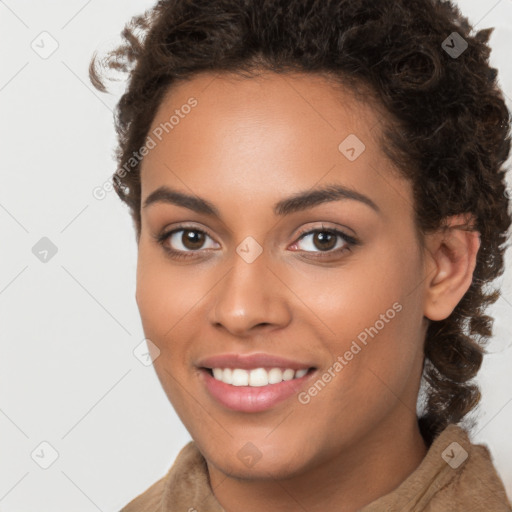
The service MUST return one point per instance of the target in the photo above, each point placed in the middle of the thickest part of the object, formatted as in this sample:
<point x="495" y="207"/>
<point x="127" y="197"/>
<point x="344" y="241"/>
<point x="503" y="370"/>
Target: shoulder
<point x="455" y="475"/>
<point x="474" y="480"/>
<point x="152" y="499"/>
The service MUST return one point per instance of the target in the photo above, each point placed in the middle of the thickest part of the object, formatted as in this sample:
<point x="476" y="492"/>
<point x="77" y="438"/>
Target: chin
<point x="250" y="463"/>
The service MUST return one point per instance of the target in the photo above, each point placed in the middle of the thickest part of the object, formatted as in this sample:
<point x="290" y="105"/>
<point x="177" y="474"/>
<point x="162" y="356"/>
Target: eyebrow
<point x="295" y="203"/>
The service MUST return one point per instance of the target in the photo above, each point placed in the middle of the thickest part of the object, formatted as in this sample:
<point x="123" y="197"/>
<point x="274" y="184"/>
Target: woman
<point x="318" y="194"/>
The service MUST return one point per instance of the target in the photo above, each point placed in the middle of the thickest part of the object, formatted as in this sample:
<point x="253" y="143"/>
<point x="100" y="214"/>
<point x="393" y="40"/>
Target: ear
<point x="450" y="259"/>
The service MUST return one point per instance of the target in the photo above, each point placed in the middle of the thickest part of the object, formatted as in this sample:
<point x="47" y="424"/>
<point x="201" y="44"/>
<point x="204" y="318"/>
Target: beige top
<point x="452" y="477"/>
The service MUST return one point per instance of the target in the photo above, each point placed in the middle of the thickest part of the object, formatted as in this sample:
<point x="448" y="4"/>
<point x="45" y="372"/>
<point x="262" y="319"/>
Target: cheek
<point x="373" y="311"/>
<point x="388" y="330"/>
<point x="351" y="297"/>
<point x="165" y="297"/>
<point x="165" y="293"/>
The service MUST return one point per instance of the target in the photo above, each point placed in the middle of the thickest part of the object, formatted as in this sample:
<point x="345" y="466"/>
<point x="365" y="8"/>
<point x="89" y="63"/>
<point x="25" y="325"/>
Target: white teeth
<point x="256" y="377"/>
<point x="288" y="374"/>
<point x="240" y="377"/>
<point x="275" y="375"/>
<point x="227" y="376"/>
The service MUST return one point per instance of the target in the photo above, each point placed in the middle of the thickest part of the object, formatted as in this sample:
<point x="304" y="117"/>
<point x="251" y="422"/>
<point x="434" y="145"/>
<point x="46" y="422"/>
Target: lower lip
<point x="252" y="399"/>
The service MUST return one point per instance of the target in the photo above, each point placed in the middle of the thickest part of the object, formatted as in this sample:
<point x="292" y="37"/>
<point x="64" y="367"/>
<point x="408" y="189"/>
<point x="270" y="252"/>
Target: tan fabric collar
<point x="454" y="475"/>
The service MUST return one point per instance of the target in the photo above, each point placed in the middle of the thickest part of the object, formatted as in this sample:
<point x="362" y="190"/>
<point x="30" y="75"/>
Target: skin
<point x="246" y="145"/>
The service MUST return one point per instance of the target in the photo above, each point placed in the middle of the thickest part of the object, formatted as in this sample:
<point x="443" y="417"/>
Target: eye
<point x="185" y="239"/>
<point x="325" y="240"/>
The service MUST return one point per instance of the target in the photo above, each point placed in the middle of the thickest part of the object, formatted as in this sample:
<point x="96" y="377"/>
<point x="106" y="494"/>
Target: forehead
<point x="291" y="104"/>
<point x="266" y="136"/>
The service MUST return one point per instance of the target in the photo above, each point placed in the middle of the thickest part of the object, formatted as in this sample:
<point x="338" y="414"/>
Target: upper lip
<point x="251" y="361"/>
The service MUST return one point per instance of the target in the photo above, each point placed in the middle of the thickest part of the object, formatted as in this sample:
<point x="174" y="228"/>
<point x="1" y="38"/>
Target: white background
<point x="68" y="327"/>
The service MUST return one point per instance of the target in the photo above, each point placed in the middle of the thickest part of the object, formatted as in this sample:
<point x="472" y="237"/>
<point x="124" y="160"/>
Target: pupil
<point x="324" y="236"/>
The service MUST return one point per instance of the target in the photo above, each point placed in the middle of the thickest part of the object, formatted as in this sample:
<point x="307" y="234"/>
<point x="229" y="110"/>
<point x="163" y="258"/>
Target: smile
<point x="255" y="390"/>
<point x="256" y="377"/>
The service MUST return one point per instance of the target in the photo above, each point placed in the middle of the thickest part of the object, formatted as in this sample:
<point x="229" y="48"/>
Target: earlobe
<point x="451" y="255"/>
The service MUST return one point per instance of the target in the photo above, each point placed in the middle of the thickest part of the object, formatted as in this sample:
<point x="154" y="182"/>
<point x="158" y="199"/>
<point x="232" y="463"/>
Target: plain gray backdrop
<point x="74" y="398"/>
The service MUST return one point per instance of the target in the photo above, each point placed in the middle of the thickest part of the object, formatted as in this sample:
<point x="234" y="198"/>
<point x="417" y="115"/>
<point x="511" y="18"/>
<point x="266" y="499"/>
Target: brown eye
<point x="324" y="240"/>
<point x="187" y="240"/>
<point x="192" y="239"/>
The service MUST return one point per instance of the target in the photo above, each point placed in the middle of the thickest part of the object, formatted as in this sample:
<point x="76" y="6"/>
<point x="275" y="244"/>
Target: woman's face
<point x="256" y="278"/>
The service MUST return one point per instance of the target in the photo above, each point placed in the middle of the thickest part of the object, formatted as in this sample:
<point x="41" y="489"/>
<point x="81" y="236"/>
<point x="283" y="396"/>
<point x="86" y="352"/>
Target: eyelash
<point x="350" y="241"/>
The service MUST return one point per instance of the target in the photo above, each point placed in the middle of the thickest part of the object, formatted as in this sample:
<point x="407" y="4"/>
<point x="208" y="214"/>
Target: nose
<point x="249" y="299"/>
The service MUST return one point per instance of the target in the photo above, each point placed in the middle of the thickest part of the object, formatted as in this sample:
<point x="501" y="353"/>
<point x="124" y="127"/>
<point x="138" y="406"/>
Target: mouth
<point x="256" y="377"/>
<point x="254" y="390"/>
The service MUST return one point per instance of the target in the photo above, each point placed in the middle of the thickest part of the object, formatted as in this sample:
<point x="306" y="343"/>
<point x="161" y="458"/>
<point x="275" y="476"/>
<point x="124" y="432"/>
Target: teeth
<point x="218" y="373"/>
<point x="240" y="377"/>
<point x="257" y="377"/>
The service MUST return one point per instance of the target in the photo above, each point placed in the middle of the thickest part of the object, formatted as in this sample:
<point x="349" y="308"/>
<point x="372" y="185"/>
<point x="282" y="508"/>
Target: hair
<point x="446" y="129"/>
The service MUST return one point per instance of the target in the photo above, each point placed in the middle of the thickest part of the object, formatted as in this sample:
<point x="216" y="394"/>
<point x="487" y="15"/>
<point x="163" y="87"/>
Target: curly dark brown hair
<point x="447" y="127"/>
